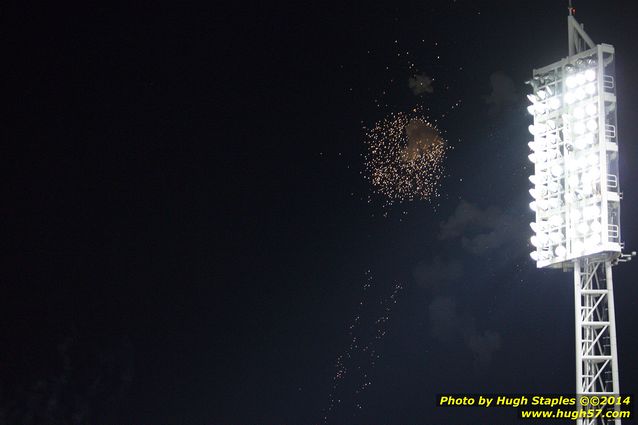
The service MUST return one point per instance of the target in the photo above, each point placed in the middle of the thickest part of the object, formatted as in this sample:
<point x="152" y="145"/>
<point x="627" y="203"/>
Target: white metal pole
<point x="612" y="332"/>
<point x="578" y="323"/>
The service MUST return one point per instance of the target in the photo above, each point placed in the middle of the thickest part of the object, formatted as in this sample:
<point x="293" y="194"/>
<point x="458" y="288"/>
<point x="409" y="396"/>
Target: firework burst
<point x="404" y="158"/>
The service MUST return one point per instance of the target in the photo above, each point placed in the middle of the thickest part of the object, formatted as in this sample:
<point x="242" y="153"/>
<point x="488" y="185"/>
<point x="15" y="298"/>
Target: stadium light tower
<point x="577" y="197"/>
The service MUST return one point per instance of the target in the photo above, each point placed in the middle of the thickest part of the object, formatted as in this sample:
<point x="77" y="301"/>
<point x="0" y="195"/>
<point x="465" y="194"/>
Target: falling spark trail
<point x="353" y="367"/>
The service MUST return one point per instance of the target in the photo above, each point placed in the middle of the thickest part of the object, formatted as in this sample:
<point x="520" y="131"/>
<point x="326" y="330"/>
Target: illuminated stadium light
<point x="580" y="79"/>
<point x="583" y="228"/>
<point x="553" y="187"/>
<point x="570" y="82"/>
<point x="555" y="220"/>
<point x="554" y="103"/>
<point x="556" y="237"/>
<point x="580" y="128"/>
<point x="595" y="226"/>
<point x="557" y="170"/>
<point x="580" y="93"/>
<point x="534" y="241"/>
<point x="567" y="158"/>
<point x="560" y="251"/>
<point x="576" y="197"/>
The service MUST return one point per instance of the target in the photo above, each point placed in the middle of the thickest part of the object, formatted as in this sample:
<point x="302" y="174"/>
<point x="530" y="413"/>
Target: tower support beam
<point x="596" y="350"/>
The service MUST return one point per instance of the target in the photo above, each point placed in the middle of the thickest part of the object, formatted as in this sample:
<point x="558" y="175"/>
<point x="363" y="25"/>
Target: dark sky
<point x="186" y="229"/>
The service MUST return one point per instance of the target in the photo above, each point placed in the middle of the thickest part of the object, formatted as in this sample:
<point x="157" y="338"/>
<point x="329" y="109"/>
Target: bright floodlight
<point x="576" y="198"/>
<point x="554" y="103"/>
<point x="574" y="155"/>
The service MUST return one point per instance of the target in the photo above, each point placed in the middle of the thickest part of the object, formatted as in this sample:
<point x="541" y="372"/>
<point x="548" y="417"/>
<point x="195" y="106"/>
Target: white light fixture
<point x="553" y="186"/>
<point x="580" y="93"/>
<point x="575" y="215"/>
<point x="590" y="75"/>
<point x="560" y="251"/>
<point x="588" y="138"/>
<point x="582" y="228"/>
<point x="580" y="79"/>
<point x="571" y="82"/>
<point x="534" y="241"/>
<point x="555" y="220"/>
<point x="596" y="227"/>
<point x="592" y="242"/>
<point x="553" y="203"/>
<point x="591" y="212"/>
<point x="580" y="143"/>
<point x="580" y="128"/>
<point x="556" y="170"/>
<point x="554" y="103"/>
<point x="543" y="204"/>
<point x="556" y="237"/>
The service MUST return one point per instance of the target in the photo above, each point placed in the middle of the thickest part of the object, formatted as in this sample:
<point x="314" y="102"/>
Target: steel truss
<point x="596" y="351"/>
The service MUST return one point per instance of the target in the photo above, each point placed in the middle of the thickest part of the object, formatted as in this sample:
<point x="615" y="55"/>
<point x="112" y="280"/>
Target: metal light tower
<point x="577" y="197"/>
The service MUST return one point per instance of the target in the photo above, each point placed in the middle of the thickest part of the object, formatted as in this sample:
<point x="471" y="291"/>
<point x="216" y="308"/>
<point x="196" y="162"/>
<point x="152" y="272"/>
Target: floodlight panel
<point x="576" y="198"/>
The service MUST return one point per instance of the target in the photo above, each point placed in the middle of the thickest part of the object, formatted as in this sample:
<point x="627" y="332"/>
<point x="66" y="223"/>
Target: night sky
<point x="189" y="236"/>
